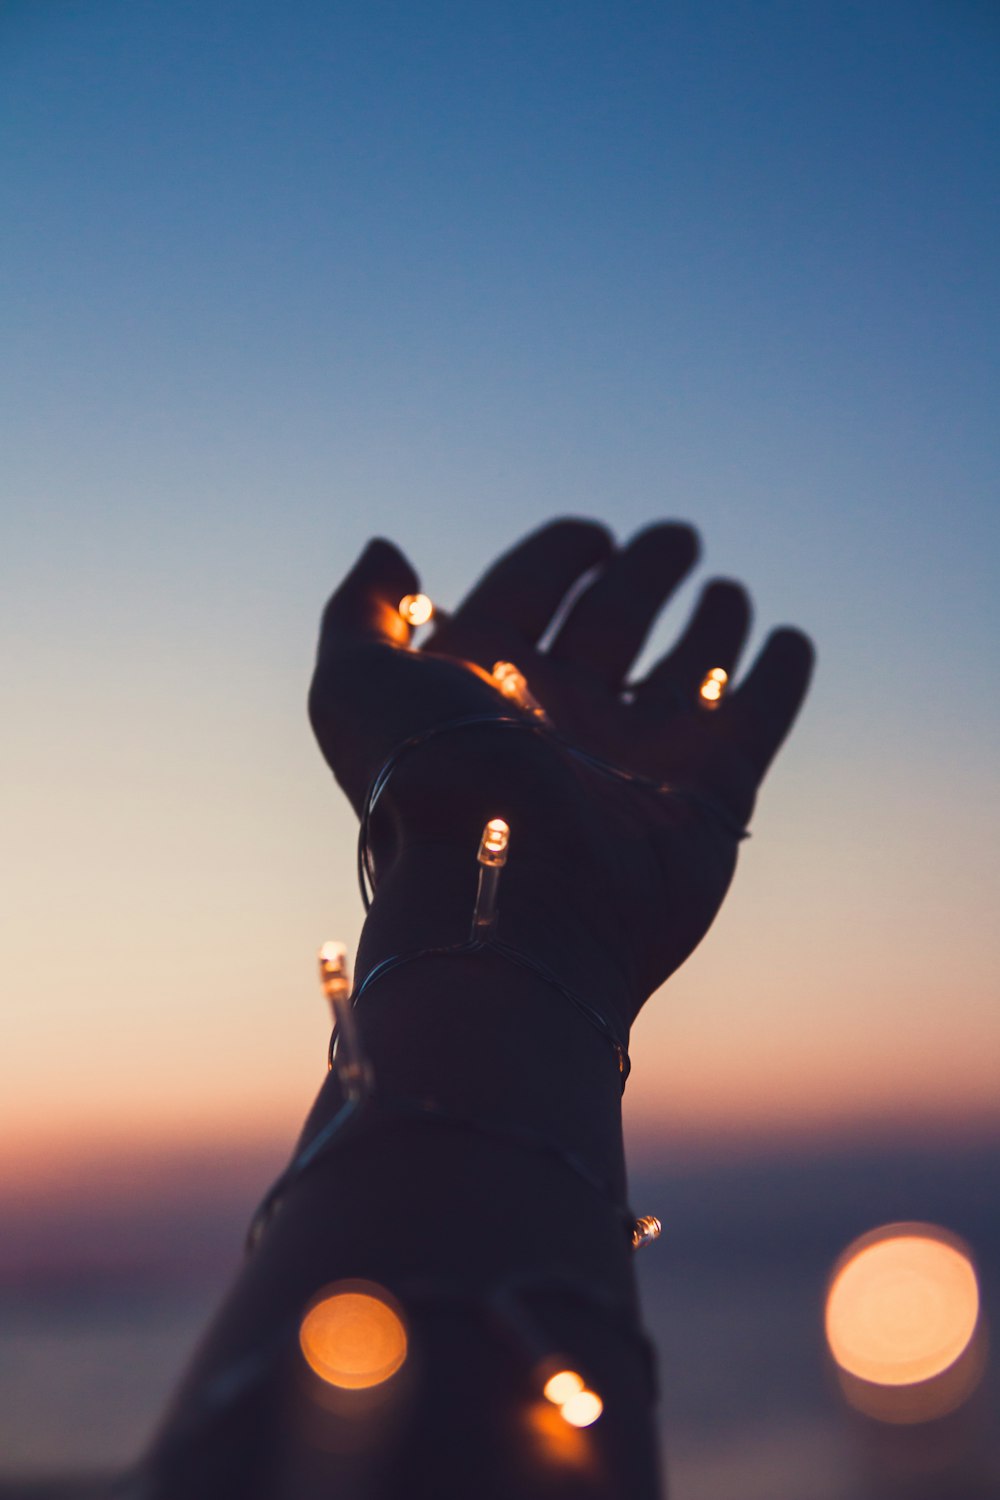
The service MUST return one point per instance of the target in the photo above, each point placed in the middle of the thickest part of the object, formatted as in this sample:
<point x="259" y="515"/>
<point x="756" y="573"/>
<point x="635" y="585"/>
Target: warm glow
<point x="508" y="679"/>
<point x="902" y="1306"/>
<point x="494" y="843"/>
<point x="333" y="973"/>
<point x="333" y="955"/>
<point x="582" y="1409"/>
<point x="352" y="1337"/>
<point x="551" y="1442"/>
<point x="559" y="1388"/>
<point x="645" y="1230"/>
<point x="416" y="609"/>
<point x="497" y="834"/>
<point x="713" y="687"/>
<point x="513" y="684"/>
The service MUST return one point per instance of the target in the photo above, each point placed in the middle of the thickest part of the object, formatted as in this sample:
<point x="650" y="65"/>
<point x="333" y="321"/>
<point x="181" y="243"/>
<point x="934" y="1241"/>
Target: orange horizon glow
<point x="113" y="1154"/>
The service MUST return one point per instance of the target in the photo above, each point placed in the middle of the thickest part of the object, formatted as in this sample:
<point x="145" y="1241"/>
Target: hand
<point x="647" y="870"/>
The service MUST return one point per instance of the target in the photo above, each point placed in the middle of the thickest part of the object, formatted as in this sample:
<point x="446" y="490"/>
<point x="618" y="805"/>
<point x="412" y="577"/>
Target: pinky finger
<point x="763" y="708"/>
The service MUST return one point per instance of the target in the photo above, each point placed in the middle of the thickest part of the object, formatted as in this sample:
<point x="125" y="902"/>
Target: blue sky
<point x="277" y="276"/>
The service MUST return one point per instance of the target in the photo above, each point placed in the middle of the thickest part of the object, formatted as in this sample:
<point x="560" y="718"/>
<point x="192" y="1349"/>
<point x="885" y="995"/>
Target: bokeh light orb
<point x="416" y="609"/>
<point x="902" y="1316"/>
<point x="562" y="1385"/>
<point x="582" y="1409"/>
<point x="353" y="1336"/>
<point x="713" y="687"/>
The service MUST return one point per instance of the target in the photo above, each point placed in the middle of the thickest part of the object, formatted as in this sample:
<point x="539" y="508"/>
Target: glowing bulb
<point x="353" y="1337"/>
<point x="333" y="975"/>
<point x="902" y="1314"/>
<point x="645" y="1230"/>
<point x="578" y="1405"/>
<point x="514" y="685"/>
<point x="583" y="1408"/>
<point x="561" y="1386"/>
<point x="416" y="609"/>
<point x="492" y="856"/>
<point x="508" y="679"/>
<point x="713" y="687"/>
<point x="347" y="1057"/>
<point x="494" y="843"/>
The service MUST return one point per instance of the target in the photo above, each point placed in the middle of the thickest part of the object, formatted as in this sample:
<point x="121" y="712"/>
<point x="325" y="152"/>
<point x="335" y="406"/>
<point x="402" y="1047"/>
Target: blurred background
<point x="280" y="276"/>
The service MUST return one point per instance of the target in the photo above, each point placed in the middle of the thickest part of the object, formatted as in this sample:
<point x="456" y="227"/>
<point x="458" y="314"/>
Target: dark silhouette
<point x="475" y="1181"/>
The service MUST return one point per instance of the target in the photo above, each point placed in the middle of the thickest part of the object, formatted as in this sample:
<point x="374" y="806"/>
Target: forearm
<point x="484" y="1178"/>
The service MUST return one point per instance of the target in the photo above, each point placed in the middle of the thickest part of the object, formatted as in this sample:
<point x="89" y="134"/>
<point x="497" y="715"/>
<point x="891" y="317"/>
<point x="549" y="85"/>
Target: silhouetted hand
<point x="644" y="870"/>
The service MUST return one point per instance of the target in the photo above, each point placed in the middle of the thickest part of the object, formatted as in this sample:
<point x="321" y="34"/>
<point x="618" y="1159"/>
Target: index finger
<point x="526" y="586"/>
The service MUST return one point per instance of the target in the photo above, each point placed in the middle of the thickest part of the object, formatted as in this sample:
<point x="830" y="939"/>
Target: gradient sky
<point x="278" y="276"/>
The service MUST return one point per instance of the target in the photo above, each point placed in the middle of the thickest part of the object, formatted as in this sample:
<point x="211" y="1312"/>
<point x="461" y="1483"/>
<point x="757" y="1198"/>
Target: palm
<point x="672" y="743"/>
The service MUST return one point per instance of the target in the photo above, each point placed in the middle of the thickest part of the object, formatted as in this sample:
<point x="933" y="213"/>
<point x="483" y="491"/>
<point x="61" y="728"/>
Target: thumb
<point x="366" y="605"/>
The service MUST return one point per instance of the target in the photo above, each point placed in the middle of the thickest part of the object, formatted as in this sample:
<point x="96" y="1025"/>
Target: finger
<point x="366" y="605"/>
<point x="526" y="586"/>
<point x="607" y="625"/>
<point x="763" y="708"/>
<point x="714" y="638"/>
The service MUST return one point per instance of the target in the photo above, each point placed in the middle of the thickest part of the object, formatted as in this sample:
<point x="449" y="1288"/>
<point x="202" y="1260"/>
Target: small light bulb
<point x="494" y="847"/>
<point x="513" y="684"/>
<point x="416" y="609"/>
<point x="347" y="1057"/>
<point x="645" y="1230"/>
<point x="508" y="679"/>
<point x="713" y="687"/>
<point x="583" y="1408"/>
<point x="561" y="1386"/>
<point x="494" y="843"/>
<point x="333" y="975"/>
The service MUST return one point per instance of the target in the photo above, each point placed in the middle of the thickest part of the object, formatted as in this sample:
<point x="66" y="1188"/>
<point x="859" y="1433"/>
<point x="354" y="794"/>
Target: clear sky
<point x="278" y="276"/>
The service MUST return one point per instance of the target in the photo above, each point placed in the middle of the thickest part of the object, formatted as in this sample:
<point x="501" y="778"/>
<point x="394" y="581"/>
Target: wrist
<point x="425" y="903"/>
<point x="472" y="1030"/>
<point x="563" y="896"/>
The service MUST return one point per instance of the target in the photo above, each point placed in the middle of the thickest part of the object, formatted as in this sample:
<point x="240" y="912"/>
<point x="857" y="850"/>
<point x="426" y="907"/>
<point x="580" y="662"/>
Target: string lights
<point x="354" y="1336"/>
<point x="707" y="806"/>
<point x="562" y="1386"/>
<point x="366" y="881"/>
<point x="348" y="1061"/>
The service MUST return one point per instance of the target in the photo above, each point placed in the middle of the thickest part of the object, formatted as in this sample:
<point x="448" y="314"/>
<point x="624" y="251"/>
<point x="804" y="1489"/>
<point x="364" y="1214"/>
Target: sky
<point x="277" y="277"/>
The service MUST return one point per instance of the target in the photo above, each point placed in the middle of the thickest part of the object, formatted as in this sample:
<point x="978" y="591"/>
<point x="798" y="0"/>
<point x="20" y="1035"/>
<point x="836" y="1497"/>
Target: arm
<point x="483" y="1185"/>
